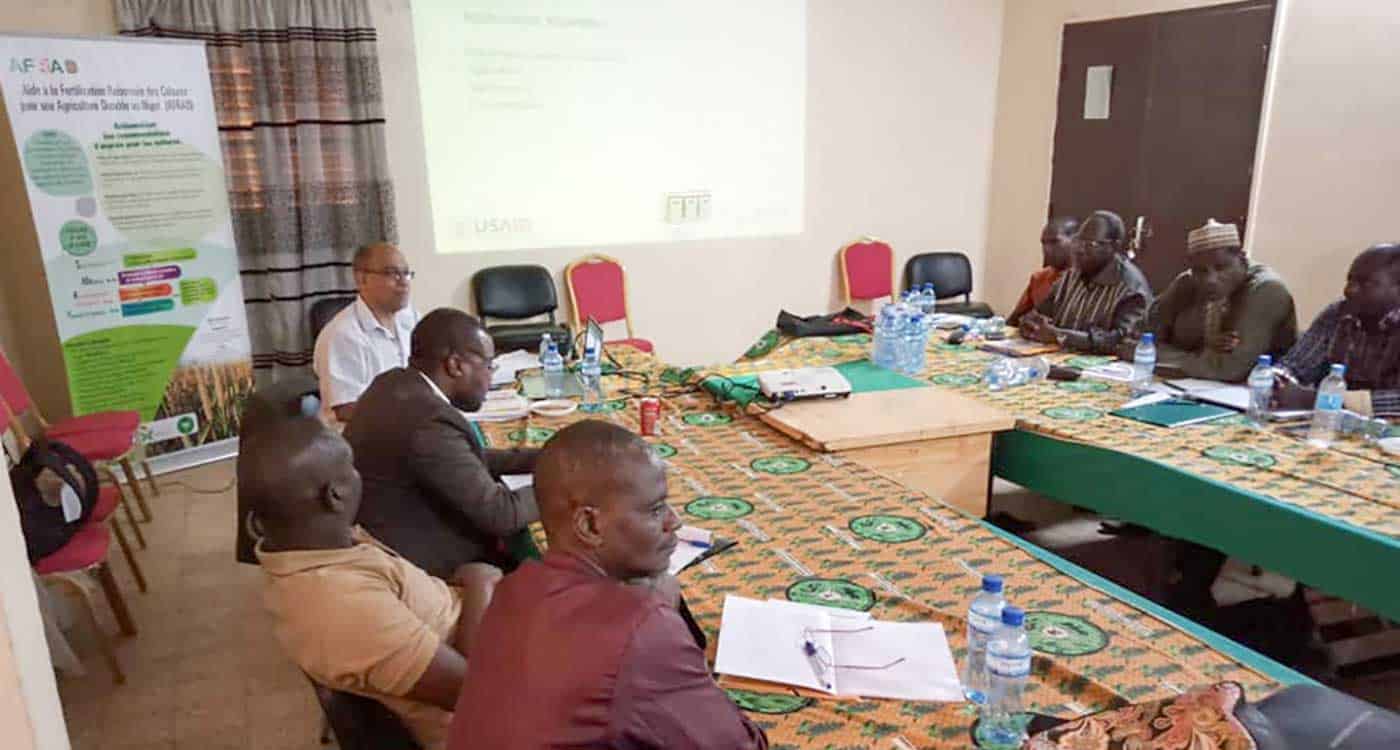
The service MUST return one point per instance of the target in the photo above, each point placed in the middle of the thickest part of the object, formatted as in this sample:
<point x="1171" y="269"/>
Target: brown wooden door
<point x="1178" y="145"/>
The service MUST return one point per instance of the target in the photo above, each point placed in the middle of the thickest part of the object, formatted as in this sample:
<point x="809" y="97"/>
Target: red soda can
<point x="651" y="412"/>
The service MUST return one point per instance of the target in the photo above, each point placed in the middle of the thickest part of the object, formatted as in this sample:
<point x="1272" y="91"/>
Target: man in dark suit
<point x="432" y="492"/>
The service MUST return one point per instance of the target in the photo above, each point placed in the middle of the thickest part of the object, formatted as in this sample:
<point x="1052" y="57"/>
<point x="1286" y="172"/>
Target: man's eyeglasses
<point x="490" y="365"/>
<point x="398" y="274"/>
<point x="1095" y="244"/>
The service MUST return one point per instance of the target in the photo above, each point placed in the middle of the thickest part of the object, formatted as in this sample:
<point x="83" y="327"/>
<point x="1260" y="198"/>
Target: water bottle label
<point x="1328" y="401"/>
<point x="1009" y="665"/>
<point x="982" y="623"/>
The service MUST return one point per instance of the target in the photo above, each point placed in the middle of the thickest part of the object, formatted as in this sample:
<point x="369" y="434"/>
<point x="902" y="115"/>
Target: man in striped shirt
<point x="1362" y="331"/>
<point x="1101" y="301"/>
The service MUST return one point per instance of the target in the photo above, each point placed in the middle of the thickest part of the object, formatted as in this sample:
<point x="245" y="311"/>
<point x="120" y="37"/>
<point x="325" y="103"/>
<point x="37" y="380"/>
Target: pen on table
<point x="695" y="543"/>
<point x="810" y="650"/>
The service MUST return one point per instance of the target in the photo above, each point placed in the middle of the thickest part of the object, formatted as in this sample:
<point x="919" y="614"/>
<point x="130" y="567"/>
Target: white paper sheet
<point x="1215" y="392"/>
<point x="763" y="641"/>
<point x="683" y="555"/>
<point x="694" y="542"/>
<point x="516" y="481"/>
<point x="1115" y="372"/>
<point x="510" y="363"/>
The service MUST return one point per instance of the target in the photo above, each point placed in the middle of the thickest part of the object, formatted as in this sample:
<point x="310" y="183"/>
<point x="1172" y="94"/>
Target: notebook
<point x="1018" y="347"/>
<point x="1173" y="412"/>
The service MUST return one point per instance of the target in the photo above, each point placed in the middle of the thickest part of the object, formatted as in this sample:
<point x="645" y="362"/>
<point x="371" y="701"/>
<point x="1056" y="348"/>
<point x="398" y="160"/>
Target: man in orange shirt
<point x="350" y="612"/>
<point x="1055" y="241"/>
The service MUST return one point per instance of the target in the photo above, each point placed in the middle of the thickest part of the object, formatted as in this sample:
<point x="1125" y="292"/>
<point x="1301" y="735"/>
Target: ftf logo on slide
<point x="42" y="65"/>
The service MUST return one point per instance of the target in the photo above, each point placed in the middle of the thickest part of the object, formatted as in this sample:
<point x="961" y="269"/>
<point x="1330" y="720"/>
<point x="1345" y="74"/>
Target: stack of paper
<point x="510" y="363"/>
<point x="500" y="406"/>
<point x="849" y="655"/>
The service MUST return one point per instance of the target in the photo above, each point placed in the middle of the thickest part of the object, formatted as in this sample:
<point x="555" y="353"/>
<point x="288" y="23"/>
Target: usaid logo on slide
<point x="42" y="65"/>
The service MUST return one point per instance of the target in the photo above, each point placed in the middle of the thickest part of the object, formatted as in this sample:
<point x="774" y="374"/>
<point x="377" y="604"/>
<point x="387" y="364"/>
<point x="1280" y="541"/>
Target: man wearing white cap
<point x="1219" y="315"/>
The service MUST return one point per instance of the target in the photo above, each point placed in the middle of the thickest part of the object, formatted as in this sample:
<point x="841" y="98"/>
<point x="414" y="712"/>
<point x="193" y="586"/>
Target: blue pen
<point x="693" y="543"/>
<point x="818" y="668"/>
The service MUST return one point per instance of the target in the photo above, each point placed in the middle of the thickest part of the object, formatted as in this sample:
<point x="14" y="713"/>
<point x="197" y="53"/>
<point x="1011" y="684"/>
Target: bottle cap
<point x="1012" y="616"/>
<point x="1266" y="360"/>
<point x="991" y="583"/>
<point x="1148" y="338"/>
<point x="1338" y="368"/>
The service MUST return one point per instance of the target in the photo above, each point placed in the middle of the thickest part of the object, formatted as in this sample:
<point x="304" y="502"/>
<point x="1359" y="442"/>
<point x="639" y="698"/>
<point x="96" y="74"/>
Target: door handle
<point x="1141" y="230"/>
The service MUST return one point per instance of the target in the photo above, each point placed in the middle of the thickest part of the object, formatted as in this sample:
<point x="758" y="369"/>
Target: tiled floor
<point x="203" y="673"/>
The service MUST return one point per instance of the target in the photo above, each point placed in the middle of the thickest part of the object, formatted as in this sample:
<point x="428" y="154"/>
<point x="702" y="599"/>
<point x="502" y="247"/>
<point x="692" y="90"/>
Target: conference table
<point x="819" y="528"/>
<point x="1330" y="519"/>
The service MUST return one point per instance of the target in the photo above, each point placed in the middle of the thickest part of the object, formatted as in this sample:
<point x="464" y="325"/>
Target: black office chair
<point x="951" y="274"/>
<point x="322" y="312"/>
<point x="517" y="293"/>
<point x="361" y="723"/>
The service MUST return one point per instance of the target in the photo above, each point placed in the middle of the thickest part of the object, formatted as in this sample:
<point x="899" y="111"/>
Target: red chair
<point x="867" y="270"/>
<point x="103" y="438"/>
<point x="598" y="289"/>
<point x="85" y="555"/>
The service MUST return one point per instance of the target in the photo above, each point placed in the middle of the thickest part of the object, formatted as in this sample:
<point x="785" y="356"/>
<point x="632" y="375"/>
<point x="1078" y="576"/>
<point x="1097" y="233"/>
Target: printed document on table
<point x="764" y="641"/>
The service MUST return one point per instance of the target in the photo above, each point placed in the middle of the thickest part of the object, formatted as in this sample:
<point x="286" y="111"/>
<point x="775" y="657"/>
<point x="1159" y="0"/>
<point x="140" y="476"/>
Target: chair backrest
<point x="322" y="312"/>
<point x="867" y="270"/>
<point x="12" y="390"/>
<point x="951" y="273"/>
<point x="597" y="289"/>
<point x="514" y="292"/>
<point x="362" y="723"/>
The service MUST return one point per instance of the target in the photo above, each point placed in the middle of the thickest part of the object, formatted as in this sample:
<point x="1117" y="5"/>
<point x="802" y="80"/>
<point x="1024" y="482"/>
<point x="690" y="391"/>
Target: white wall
<point x="900" y="104"/>
<point x="30" y="714"/>
<point x="1328" y="184"/>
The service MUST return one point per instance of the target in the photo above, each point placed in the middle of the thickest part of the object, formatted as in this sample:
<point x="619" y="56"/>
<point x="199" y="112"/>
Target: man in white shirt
<point x="367" y="337"/>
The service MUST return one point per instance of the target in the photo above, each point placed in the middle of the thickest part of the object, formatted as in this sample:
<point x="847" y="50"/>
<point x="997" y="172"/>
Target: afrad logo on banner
<point x="42" y="65"/>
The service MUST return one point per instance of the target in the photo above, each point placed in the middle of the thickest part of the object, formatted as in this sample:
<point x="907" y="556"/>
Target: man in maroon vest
<point x="586" y="648"/>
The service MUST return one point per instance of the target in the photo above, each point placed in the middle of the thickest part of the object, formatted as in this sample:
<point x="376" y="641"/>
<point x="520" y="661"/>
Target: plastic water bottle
<point x="983" y="618"/>
<point x="1327" y="409"/>
<point x="1008" y="669"/>
<point x="999" y="373"/>
<point x="1144" y="364"/>
<point x="899" y="322"/>
<point x="929" y="298"/>
<point x="915" y="345"/>
<point x="880" y="350"/>
<point x="592" y="376"/>
<point x="553" y="367"/>
<point x="1028" y="370"/>
<point x="1261" y="390"/>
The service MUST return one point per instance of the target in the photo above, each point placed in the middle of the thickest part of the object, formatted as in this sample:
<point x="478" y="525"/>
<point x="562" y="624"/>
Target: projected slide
<point x="598" y="122"/>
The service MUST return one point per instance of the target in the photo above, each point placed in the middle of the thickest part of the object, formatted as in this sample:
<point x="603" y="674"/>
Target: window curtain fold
<point x="300" y="113"/>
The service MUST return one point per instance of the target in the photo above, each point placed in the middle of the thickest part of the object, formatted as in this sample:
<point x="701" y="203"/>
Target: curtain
<point x="301" y="121"/>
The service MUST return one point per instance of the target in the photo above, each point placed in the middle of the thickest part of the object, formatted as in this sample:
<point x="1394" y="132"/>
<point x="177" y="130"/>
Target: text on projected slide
<point x="597" y="122"/>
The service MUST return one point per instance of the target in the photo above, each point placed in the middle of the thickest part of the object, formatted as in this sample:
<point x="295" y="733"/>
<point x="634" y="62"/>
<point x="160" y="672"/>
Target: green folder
<point x="1174" y="412"/>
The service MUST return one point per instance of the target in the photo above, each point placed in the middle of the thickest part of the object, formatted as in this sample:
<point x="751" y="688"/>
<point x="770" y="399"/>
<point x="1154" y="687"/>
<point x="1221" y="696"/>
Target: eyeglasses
<point x="1095" y="244"/>
<point x="822" y="662"/>
<point x="398" y="274"/>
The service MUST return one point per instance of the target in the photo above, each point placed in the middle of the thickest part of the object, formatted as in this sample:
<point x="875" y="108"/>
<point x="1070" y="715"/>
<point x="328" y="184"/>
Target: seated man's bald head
<point x="295" y="472"/>
<point x="601" y="490"/>
<point x="585" y="461"/>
